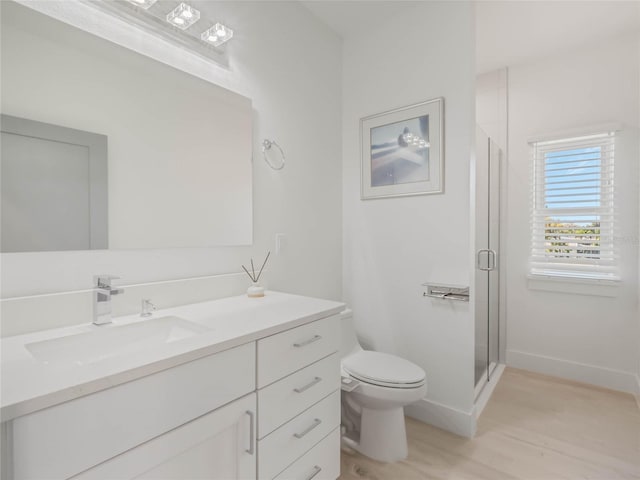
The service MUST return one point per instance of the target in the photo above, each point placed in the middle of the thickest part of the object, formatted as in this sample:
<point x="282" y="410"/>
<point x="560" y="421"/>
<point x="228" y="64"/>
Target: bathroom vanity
<point x="232" y="388"/>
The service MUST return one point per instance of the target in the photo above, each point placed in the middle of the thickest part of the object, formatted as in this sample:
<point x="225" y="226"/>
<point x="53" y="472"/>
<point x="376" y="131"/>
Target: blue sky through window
<point x="573" y="178"/>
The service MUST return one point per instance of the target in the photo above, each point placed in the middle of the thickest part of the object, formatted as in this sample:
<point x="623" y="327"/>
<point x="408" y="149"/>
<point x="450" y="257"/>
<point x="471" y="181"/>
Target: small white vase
<point x="255" y="290"/>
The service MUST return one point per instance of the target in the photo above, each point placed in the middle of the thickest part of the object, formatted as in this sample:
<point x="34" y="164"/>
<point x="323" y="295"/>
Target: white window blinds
<point x="572" y="218"/>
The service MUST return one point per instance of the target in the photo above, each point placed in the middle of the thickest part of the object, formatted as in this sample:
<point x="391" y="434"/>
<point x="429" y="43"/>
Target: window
<point x="573" y="213"/>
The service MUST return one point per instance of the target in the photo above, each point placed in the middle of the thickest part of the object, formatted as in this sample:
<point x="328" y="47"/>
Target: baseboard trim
<point x="487" y="390"/>
<point x="444" y="417"/>
<point x="581" y="372"/>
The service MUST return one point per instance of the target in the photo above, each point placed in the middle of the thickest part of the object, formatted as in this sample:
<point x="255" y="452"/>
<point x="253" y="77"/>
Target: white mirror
<point x="178" y="148"/>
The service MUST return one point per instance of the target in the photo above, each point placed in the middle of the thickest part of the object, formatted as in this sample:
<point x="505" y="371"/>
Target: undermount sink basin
<point x="114" y="340"/>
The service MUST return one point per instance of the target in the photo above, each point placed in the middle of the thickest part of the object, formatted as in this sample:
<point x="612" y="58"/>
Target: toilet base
<point x="383" y="436"/>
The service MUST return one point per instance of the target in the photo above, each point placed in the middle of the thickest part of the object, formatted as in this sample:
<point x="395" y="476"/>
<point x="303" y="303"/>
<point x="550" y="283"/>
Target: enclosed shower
<point x="490" y="174"/>
<point x="487" y="272"/>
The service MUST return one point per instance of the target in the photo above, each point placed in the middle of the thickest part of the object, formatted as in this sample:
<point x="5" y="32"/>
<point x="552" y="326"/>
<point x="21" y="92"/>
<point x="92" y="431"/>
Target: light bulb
<point x="183" y="16"/>
<point x="217" y="34"/>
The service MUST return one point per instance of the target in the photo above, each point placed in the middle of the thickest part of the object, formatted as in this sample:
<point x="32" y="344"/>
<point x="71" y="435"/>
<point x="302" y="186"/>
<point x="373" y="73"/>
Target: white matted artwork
<point x="402" y="151"/>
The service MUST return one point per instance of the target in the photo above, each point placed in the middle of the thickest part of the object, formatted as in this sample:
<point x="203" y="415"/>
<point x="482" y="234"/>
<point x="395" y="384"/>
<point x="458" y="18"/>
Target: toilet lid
<point x="383" y="369"/>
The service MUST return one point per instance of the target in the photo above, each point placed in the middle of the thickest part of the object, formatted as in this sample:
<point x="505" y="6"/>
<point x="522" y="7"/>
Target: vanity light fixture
<point x="183" y="16"/>
<point x="142" y="3"/>
<point x="217" y="35"/>
<point x="152" y="16"/>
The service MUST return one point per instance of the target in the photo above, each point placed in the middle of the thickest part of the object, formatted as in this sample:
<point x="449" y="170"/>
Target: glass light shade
<point x="217" y="35"/>
<point x="142" y="3"/>
<point x="183" y="16"/>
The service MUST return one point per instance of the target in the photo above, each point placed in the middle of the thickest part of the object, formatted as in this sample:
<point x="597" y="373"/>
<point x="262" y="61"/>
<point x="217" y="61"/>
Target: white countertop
<point x="28" y="384"/>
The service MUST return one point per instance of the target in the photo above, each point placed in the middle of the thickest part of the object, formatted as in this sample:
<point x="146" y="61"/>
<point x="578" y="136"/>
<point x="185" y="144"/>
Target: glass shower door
<point x="487" y="278"/>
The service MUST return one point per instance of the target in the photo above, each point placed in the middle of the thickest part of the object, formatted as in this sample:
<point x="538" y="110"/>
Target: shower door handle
<point x="492" y="257"/>
<point x="479" y="259"/>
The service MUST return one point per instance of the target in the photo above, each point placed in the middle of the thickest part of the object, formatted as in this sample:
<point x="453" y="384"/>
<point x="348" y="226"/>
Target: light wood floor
<point x="534" y="427"/>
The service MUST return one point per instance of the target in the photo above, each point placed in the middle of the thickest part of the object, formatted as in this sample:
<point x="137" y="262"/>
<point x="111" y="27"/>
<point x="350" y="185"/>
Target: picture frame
<point x="402" y="151"/>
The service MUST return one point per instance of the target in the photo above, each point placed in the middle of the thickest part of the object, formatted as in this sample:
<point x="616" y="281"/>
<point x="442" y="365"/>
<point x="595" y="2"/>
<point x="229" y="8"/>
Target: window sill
<point x="574" y="285"/>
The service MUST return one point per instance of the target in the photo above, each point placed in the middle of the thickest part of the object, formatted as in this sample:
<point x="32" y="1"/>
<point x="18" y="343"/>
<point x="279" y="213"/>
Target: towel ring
<point x="266" y="145"/>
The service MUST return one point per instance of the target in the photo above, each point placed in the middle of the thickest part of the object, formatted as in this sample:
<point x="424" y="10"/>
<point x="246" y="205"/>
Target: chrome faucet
<point x="102" y="298"/>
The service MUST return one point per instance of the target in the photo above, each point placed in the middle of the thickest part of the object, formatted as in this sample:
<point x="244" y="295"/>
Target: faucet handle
<point x="147" y="307"/>
<point x="104" y="280"/>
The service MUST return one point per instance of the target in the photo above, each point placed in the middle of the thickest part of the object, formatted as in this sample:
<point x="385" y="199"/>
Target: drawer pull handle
<point x="316" y="471"/>
<point x="308" y="385"/>
<point x="315" y="423"/>
<point x="315" y="338"/>
<point x="252" y="439"/>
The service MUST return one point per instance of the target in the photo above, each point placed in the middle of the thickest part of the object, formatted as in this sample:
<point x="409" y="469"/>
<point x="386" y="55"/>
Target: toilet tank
<point x="348" y="341"/>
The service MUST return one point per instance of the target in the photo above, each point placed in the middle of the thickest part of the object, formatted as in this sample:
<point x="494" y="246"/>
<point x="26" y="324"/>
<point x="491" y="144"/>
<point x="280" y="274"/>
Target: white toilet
<point x="381" y="385"/>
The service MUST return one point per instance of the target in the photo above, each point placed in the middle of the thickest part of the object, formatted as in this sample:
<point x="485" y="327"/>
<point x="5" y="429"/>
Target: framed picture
<point x="402" y="151"/>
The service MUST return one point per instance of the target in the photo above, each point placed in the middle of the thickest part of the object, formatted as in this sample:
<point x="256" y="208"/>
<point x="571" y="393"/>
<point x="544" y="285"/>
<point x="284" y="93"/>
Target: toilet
<point x="375" y="388"/>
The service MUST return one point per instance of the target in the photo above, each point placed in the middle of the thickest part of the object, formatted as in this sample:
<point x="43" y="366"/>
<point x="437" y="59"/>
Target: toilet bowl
<point x="376" y="387"/>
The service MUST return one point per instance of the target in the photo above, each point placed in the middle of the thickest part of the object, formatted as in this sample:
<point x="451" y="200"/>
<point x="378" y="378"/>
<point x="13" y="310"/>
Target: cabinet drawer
<point x="288" y="443"/>
<point x="293" y="394"/>
<point x="286" y="352"/>
<point x="61" y="441"/>
<point x="322" y="462"/>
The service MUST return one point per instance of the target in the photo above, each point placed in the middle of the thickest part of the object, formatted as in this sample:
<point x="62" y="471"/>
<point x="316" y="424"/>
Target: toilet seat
<point x="383" y="369"/>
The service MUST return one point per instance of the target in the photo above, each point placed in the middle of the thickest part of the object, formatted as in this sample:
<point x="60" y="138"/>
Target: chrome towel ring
<point x="266" y="145"/>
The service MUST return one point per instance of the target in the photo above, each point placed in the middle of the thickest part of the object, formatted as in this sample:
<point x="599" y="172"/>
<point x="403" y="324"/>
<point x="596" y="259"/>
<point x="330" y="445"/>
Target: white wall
<point x="586" y="337"/>
<point x="297" y="103"/>
<point x="392" y="246"/>
<point x="491" y="105"/>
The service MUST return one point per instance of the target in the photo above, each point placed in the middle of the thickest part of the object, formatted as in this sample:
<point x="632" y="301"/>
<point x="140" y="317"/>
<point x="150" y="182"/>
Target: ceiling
<point x="514" y="32"/>
<point x="348" y="18"/>
<point x="508" y="32"/>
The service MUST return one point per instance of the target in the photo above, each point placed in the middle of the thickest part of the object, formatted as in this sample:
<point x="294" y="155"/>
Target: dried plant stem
<point x="252" y="279"/>
<point x="263" y="264"/>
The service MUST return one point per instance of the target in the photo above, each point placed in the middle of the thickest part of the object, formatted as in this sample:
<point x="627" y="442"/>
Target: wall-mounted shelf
<point x="446" y="292"/>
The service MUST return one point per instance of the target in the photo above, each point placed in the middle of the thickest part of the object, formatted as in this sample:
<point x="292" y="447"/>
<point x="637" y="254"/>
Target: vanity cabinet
<point x="299" y="402"/>
<point x="268" y="408"/>
<point x="69" y="438"/>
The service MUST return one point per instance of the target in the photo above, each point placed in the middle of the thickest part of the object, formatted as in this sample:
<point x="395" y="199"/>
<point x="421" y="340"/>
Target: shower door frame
<point x="488" y="242"/>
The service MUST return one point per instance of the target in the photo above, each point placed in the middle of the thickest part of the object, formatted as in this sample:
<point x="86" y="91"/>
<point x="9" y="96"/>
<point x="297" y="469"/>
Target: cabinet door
<point x="218" y="445"/>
